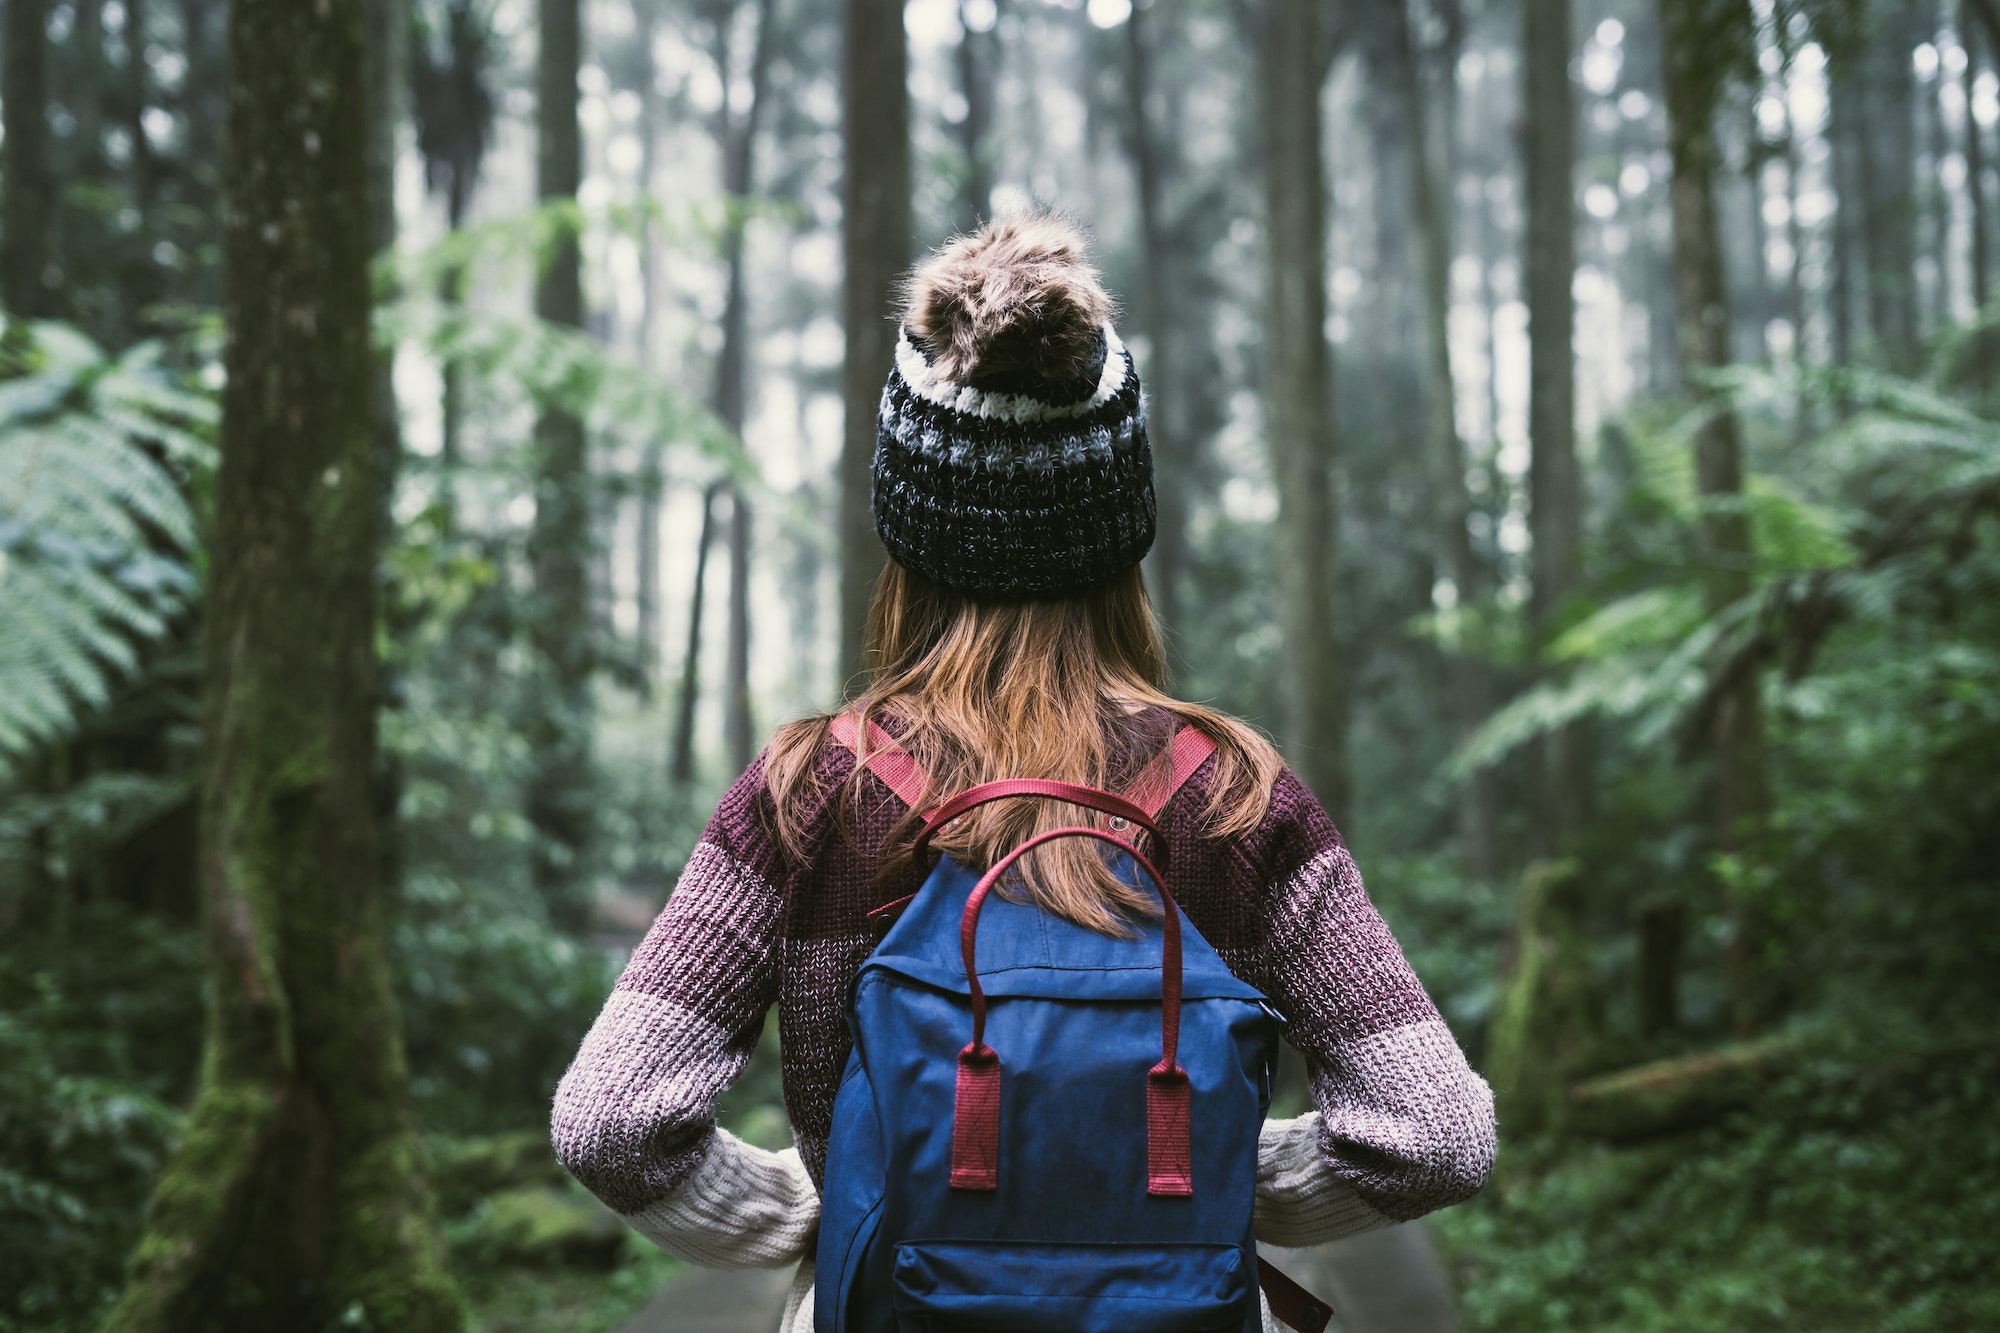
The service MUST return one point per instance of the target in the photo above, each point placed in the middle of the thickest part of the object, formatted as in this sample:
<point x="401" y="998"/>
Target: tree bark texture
<point x="1555" y="487"/>
<point x="387" y="74"/>
<point x="1452" y="497"/>
<point x="1887" y="135"/>
<point x="738" y="131"/>
<point x="651" y="482"/>
<point x="559" y="546"/>
<point x="1692" y="34"/>
<point x="1298" y="394"/>
<point x="978" y="67"/>
<point x="875" y="241"/>
<point x="681" y="769"/>
<point x="1975" y="157"/>
<point x="1147" y="149"/>
<point x="739" y="736"/>
<point x="1844" y="144"/>
<point x="26" y="207"/>
<point x="296" y="1198"/>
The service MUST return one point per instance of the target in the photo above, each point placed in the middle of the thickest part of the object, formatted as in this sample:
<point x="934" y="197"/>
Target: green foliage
<point x="97" y="532"/>
<point x="1864" y="1194"/>
<point x="97" y="1042"/>
<point x="522" y="359"/>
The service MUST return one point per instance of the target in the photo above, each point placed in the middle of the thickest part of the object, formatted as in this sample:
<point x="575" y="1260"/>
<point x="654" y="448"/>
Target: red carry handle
<point x="975" y="1130"/>
<point x="1089" y="797"/>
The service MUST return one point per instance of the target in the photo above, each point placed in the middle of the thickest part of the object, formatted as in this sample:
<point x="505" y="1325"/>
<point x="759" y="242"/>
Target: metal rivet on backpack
<point x="1118" y="822"/>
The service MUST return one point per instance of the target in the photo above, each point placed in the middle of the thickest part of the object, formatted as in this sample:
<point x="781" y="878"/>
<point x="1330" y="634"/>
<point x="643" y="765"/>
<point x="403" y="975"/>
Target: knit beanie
<point x="1010" y="447"/>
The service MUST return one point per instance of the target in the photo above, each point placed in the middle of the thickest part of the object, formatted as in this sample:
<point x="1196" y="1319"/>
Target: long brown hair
<point x="1068" y="688"/>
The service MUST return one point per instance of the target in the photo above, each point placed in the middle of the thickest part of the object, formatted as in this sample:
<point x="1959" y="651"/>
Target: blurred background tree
<point x="1578" y="446"/>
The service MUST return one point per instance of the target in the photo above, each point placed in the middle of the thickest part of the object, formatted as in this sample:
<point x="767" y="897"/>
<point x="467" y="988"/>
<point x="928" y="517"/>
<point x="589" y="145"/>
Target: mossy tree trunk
<point x="875" y="242"/>
<point x="1546" y="1024"/>
<point x="1298" y="394"/>
<point x="1701" y="44"/>
<point x="297" y="1198"/>
<point x="559" y="795"/>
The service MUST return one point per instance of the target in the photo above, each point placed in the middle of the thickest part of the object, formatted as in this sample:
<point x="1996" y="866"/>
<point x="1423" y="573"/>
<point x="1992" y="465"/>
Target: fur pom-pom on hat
<point x="1011" y="458"/>
<point x="1014" y="301"/>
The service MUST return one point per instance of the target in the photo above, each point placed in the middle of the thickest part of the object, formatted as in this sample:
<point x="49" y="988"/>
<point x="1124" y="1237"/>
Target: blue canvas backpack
<point x="1043" y="1128"/>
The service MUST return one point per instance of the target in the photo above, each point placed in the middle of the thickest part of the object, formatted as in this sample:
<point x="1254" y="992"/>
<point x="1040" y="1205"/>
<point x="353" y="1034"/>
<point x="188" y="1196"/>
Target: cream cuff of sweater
<point x="1300" y="1201"/>
<point x="743" y="1207"/>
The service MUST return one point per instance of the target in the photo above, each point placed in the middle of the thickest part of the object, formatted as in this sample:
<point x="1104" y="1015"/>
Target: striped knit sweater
<point x="1402" y="1125"/>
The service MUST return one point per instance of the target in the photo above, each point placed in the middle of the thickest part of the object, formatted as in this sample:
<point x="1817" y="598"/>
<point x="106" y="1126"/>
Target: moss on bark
<point x="297" y="1199"/>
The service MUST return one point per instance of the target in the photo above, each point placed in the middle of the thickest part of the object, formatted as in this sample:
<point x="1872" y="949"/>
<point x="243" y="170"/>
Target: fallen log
<point x="1669" y="1096"/>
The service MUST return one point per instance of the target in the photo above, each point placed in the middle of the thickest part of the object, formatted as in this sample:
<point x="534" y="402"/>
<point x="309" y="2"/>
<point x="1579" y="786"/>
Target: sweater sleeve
<point x="634" y="1117"/>
<point x="1403" y="1125"/>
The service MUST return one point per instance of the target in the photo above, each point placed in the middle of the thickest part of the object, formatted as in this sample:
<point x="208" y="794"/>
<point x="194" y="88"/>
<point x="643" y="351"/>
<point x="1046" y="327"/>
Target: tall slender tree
<point x="1975" y="155"/>
<point x="386" y="80"/>
<point x="1702" y="46"/>
<point x="681" y="766"/>
<point x="559" y="546"/>
<point x="26" y="206"/>
<point x="1148" y="150"/>
<point x="736" y="128"/>
<point x="1555" y="491"/>
<point x="978" y="68"/>
<point x="1292" y="62"/>
<point x="1452" y="504"/>
<point x="449" y="70"/>
<point x="646" y="21"/>
<point x="875" y="244"/>
<point x="296" y="1197"/>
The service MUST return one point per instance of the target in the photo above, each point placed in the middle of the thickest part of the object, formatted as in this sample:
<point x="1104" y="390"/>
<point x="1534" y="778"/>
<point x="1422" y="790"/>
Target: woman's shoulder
<point x="1247" y="799"/>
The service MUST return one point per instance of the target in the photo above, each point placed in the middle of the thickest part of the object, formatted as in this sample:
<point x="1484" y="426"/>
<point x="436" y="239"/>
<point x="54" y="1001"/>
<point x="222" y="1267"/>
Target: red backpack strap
<point x="883" y="757"/>
<point x="1169" y="773"/>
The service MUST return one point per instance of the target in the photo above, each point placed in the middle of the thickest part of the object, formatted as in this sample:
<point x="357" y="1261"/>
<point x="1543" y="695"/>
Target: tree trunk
<point x="205" y="104"/>
<point x="1937" y="199"/>
<point x="978" y="56"/>
<point x="738" y="127"/>
<point x="650" y="480"/>
<point x="682" y="768"/>
<point x="1555" y="490"/>
<point x="1691" y="32"/>
<point x="1548" y="1015"/>
<point x="296" y="1197"/>
<point x="738" y="733"/>
<point x="26" y="205"/>
<point x="143" y="290"/>
<point x="875" y="241"/>
<point x="1887" y="135"/>
<point x="1844" y="148"/>
<point x="559" y="547"/>
<point x="1453" y="508"/>
<point x="1975" y="157"/>
<point x="1298" y="397"/>
<point x="386" y="75"/>
<point x="1163" y="420"/>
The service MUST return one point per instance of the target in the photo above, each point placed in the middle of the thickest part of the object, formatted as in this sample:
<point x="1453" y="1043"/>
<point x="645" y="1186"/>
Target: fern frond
<point x="96" y="533"/>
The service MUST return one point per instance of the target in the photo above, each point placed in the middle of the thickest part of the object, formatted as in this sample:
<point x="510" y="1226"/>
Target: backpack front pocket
<point x="952" y="1286"/>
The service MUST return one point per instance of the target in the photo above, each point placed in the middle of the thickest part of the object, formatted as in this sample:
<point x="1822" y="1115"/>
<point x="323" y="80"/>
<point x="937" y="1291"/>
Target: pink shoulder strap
<point x="883" y="757"/>
<point x="1168" y="774"/>
<point x="903" y="775"/>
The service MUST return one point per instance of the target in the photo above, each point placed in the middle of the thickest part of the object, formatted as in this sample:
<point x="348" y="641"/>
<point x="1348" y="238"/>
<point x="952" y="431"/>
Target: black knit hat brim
<point x="1010" y="496"/>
